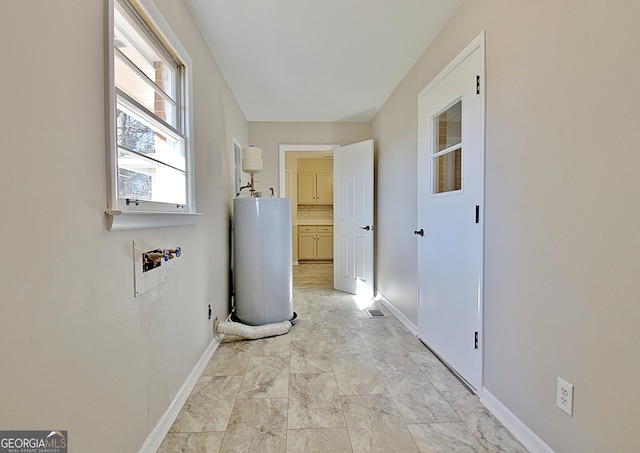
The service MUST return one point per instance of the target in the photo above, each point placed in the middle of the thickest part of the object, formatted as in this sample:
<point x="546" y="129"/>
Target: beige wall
<point x="315" y="165"/>
<point x="77" y="351"/>
<point x="562" y="275"/>
<point x="269" y="136"/>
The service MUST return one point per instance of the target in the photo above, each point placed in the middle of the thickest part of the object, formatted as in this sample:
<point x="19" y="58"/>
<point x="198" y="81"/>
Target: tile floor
<point x="339" y="381"/>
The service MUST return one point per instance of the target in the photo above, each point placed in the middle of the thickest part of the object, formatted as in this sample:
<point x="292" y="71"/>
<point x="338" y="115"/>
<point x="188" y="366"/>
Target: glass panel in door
<point x="447" y="150"/>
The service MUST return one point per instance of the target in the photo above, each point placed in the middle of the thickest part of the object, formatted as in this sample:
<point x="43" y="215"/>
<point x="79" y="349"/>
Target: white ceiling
<point x="317" y="60"/>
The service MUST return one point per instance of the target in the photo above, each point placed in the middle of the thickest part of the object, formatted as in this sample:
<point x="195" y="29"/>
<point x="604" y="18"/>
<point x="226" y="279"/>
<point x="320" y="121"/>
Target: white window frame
<point x="148" y="214"/>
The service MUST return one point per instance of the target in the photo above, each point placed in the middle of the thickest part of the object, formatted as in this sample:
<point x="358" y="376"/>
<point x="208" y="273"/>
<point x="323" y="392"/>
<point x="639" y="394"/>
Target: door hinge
<point x="477" y="84"/>
<point x="477" y="214"/>
<point x="475" y="343"/>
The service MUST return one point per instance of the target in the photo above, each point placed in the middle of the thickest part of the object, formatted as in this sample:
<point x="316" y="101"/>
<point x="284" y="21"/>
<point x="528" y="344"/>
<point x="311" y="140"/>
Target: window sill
<point x="134" y="220"/>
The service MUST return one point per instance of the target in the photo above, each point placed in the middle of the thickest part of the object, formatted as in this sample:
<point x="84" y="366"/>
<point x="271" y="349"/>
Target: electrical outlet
<point x="564" y="396"/>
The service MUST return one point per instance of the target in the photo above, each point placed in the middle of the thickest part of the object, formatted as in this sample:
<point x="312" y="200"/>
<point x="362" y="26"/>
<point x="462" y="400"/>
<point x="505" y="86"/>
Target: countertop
<point x="313" y="222"/>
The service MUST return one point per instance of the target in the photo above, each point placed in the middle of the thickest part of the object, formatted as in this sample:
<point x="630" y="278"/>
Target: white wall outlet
<point x="564" y="396"/>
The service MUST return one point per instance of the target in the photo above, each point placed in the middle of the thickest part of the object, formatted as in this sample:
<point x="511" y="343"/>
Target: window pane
<point x="142" y="53"/>
<point x="132" y="83"/>
<point x="448" y="128"/>
<point x="136" y="134"/>
<point x="448" y="171"/>
<point x="143" y="179"/>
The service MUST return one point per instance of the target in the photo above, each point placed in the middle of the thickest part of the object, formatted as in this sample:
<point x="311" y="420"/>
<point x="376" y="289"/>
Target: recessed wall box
<point x="148" y="264"/>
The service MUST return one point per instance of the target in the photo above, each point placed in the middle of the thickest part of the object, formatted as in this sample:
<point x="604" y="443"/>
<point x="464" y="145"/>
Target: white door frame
<point x="478" y="44"/>
<point x="282" y="178"/>
<point x="238" y="174"/>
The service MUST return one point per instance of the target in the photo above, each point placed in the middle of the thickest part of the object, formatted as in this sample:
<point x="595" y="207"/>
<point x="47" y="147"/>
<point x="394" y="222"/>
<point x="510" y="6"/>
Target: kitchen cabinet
<point x="315" y="242"/>
<point x="315" y="188"/>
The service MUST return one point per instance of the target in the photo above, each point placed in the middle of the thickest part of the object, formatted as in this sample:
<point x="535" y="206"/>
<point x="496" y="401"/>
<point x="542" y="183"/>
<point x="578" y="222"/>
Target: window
<point x="447" y="150"/>
<point x="148" y="142"/>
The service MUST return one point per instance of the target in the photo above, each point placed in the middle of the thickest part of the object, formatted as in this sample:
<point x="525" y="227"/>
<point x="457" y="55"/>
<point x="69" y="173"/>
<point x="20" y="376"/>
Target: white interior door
<point x="353" y="218"/>
<point x="450" y="202"/>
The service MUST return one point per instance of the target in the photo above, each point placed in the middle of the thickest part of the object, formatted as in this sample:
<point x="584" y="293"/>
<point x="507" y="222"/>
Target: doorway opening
<point x="306" y="177"/>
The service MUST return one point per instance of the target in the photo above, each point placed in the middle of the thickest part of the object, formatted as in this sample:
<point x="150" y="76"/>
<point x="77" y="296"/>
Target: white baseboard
<point x="157" y="435"/>
<point x="402" y="318"/>
<point x="521" y="431"/>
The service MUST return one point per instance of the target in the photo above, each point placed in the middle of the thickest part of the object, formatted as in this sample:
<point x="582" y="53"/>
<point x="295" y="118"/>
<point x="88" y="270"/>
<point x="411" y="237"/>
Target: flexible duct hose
<point x="252" y="332"/>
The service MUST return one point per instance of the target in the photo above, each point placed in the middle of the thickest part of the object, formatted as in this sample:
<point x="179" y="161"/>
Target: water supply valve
<point x="170" y="254"/>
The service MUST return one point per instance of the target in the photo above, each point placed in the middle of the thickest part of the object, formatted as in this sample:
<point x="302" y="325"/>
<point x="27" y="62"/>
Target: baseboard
<point x="521" y="431"/>
<point x="157" y="435"/>
<point x="402" y="318"/>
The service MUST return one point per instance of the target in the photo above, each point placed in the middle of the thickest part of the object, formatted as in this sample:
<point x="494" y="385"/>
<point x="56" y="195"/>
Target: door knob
<point x="419" y="232"/>
<point x="365" y="228"/>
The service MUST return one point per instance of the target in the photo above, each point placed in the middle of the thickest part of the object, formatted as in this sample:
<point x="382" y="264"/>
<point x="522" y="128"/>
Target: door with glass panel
<point x="449" y="233"/>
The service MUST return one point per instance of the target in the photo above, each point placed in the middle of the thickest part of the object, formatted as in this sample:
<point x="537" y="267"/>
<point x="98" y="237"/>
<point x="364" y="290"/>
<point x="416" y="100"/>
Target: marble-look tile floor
<point x="339" y="381"/>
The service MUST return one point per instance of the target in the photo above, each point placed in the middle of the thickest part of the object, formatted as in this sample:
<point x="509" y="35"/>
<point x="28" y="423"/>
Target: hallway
<point x="339" y="381"/>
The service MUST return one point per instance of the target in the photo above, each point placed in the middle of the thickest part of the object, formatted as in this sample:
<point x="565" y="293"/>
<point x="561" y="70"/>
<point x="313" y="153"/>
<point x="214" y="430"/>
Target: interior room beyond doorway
<point x="307" y="179"/>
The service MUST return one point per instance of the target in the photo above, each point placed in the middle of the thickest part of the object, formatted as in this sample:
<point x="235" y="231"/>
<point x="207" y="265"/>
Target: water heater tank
<point x="263" y="273"/>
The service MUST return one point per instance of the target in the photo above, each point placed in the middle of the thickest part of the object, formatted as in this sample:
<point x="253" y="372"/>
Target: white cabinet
<point x="315" y="242"/>
<point x="315" y="188"/>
